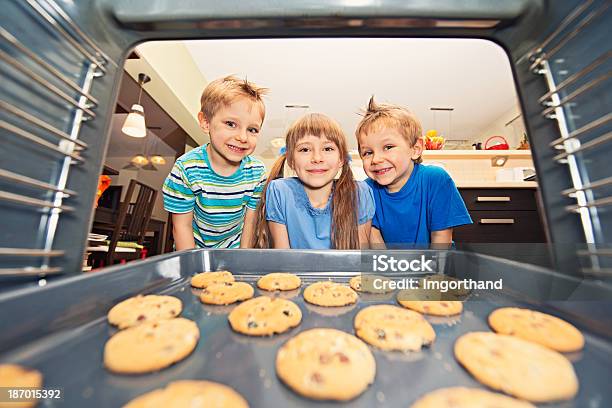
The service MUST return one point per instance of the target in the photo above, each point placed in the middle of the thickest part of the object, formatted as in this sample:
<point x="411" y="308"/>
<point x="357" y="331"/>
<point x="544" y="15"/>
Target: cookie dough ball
<point x="265" y="316"/>
<point x="517" y="367"/>
<point x="370" y="284"/>
<point x="326" y="364"/>
<point x="326" y="293"/>
<point x="140" y="309"/>
<point x="190" y="393"/>
<point x="541" y="328"/>
<point x="452" y="293"/>
<point x="226" y="293"/>
<point x="393" y="328"/>
<point x="423" y="301"/>
<point x="16" y="376"/>
<point x="279" y="281"/>
<point x="151" y="346"/>
<point x="205" y="279"/>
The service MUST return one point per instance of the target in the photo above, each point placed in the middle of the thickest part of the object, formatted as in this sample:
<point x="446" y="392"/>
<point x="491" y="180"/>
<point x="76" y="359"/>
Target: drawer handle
<point x="496" y="221"/>
<point x="492" y="199"/>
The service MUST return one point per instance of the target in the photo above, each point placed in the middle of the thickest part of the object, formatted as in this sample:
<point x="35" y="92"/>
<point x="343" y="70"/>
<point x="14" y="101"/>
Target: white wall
<point x="176" y="82"/>
<point x="471" y="75"/>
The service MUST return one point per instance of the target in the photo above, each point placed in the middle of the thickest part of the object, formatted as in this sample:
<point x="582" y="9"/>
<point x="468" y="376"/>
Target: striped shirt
<point x="218" y="203"/>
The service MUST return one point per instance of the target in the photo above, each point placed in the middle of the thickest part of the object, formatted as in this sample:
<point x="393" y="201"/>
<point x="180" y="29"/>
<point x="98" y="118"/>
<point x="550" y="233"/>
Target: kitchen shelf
<point x="467" y="154"/>
<point x="475" y="154"/>
<point x="496" y="184"/>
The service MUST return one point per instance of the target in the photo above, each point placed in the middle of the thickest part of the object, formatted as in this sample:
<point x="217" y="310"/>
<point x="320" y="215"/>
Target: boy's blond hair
<point x="401" y="119"/>
<point x="225" y="91"/>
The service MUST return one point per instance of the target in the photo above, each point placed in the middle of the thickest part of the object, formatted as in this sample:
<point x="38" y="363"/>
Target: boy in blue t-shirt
<point x="415" y="204"/>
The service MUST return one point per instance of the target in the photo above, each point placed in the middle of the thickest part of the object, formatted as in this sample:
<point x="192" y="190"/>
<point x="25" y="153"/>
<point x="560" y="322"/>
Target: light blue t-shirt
<point x="309" y="227"/>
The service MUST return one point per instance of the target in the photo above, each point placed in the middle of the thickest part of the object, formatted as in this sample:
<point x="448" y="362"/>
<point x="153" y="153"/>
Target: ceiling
<point x="121" y="145"/>
<point x="338" y="76"/>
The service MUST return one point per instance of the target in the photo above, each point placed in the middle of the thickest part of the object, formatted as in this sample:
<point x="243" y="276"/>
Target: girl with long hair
<point x="313" y="210"/>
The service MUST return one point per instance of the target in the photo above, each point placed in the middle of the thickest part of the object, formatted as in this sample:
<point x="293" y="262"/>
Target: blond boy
<point x="415" y="204"/>
<point x="213" y="190"/>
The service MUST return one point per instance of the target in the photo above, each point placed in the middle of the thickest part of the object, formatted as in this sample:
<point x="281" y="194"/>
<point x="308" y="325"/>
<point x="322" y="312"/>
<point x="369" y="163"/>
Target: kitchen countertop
<point x="496" y="184"/>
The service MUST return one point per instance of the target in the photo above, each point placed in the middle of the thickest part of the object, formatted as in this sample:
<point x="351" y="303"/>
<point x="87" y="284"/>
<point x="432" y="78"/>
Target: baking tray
<point x="61" y="328"/>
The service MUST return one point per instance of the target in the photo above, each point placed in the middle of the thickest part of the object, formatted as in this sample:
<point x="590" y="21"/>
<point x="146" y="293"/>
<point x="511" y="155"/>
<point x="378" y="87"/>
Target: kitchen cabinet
<point x="501" y="216"/>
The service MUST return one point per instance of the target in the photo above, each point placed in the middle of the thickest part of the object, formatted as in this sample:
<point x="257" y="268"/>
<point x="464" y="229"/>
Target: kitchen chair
<point x="169" y="238"/>
<point x="130" y="228"/>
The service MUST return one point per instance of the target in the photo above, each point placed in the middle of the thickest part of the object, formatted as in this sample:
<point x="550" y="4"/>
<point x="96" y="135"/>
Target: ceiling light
<point x="139" y="160"/>
<point x="157" y="159"/>
<point x="134" y="124"/>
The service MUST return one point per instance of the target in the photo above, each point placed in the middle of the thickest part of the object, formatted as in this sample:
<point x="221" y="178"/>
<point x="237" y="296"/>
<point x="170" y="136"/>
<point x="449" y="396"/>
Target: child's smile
<point x="233" y="134"/>
<point x="316" y="161"/>
<point x="380" y="172"/>
<point x="317" y="171"/>
<point x="239" y="150"/>
<point x="387" y="157"/>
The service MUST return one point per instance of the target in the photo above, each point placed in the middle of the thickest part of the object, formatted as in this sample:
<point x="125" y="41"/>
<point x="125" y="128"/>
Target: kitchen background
<point x="461" y="88"/>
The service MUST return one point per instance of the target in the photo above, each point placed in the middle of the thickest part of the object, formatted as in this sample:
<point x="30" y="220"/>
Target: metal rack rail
<point x="55" y="139"/>
<point x="574" y="78"/>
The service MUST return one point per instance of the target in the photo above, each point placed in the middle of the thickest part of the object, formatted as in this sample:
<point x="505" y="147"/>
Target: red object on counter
<point x="103" y="184"/>
<point x="502" y="143"/>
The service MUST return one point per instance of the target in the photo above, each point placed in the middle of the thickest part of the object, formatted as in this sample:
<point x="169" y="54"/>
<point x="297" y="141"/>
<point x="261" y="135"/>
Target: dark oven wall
<point x="88" y="41"/>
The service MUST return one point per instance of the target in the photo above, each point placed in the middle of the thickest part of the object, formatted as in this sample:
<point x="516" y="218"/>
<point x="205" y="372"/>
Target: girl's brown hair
<point x="401" y="119"/>
<point x="344" y="234"/>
